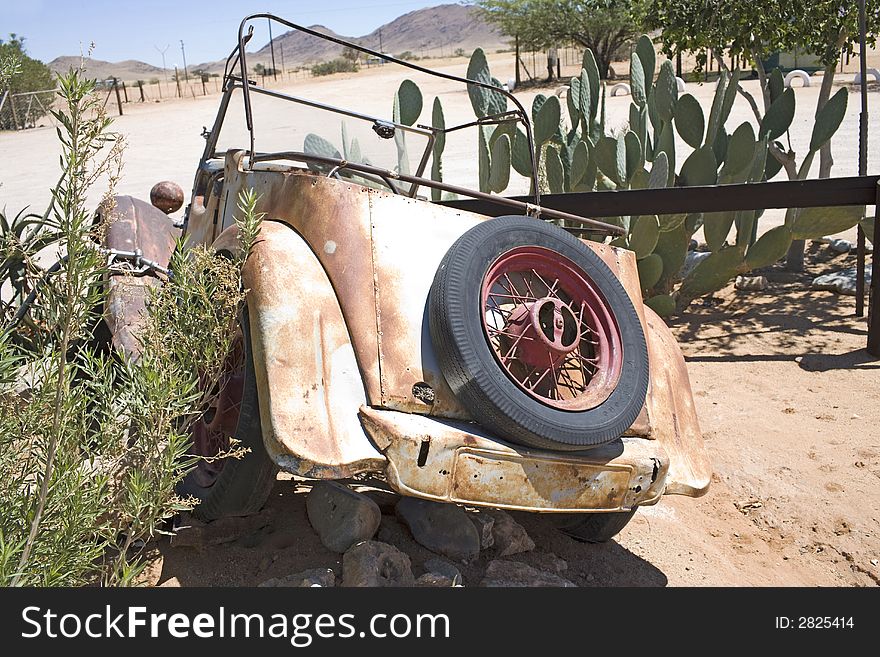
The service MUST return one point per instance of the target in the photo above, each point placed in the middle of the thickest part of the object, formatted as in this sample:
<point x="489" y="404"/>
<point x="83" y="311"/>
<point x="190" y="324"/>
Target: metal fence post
<point x="863" y="161"/>
<point x="874" y="299"/>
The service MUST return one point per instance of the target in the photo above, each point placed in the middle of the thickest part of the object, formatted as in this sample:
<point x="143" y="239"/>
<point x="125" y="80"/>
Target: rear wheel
<point x="231" y="486"/>
<point x="594" y="527"/>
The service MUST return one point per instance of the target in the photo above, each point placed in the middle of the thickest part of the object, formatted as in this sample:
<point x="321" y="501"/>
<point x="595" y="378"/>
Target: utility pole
<point x="381" y="49"/>
<point x="163" y="51"/>
<point x="272" y="49"/>
<point x="183" y="51"/>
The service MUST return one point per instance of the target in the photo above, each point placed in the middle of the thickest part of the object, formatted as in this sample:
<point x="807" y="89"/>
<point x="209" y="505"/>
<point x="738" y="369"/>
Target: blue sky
<point x="133" y="29"/>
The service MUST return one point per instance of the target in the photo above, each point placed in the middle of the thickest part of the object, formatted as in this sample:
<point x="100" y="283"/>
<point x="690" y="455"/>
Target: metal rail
<point x="855" y="190"/>
<point x="826" y="192"/>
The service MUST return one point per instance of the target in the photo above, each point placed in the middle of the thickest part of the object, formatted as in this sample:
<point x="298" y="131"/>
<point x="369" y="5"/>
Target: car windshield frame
<point x="235" y="77"/>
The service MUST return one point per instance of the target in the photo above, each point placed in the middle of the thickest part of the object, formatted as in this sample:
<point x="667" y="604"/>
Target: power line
<point x="163" y="51"/>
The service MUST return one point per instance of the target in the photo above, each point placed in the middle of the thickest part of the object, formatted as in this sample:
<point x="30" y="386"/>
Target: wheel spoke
<point x="509" y="335"/>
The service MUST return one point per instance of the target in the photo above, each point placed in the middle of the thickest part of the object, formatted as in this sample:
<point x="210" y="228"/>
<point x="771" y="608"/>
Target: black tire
<point x="243" y="485"/>
<point x="474" y="374"/>
<point x="594" y="527"/>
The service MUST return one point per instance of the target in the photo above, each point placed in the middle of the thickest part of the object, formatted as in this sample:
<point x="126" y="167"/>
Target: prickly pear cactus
<point x="574" y="153"/>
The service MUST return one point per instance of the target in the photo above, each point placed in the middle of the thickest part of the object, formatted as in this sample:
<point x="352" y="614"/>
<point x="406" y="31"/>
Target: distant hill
<point x="436" y="31"/>
<point x="130" y="69"/>
<point x="430" y="32"/>
<point x="299" y="48"/>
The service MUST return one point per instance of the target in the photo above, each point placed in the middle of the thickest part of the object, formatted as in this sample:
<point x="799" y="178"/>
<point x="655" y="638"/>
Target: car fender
<point x="670" y="406"/>
<point x="308" y="381"/>
<point x="133" y="225"/>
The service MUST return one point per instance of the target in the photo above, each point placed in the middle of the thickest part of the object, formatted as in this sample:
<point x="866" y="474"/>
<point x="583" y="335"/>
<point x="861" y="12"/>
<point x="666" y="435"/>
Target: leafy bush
<point x="338" y="65"/>
<point x="92" y="446"/>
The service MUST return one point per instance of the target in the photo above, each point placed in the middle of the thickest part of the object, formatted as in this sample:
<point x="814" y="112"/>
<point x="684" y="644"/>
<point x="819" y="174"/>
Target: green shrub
<point x="92" y="446"/>
<point x="338" y="65"/>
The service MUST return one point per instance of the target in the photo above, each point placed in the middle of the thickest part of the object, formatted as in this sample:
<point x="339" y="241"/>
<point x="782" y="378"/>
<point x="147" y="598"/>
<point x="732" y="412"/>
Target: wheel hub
<point x="548" y="330"/>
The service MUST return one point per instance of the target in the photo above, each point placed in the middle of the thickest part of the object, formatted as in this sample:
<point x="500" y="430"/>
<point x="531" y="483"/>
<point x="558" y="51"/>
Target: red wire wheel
<point x="231" y="486"/>
<point x="537" y="337"/>
<point x="550" y="329"/>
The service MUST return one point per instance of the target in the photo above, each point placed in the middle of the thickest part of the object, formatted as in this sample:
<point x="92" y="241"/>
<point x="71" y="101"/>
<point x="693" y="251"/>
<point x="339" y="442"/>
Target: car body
<point x="346" y="372"/>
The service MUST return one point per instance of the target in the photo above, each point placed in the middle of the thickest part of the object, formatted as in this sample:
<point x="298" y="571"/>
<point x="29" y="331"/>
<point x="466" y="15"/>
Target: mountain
<point x="436" y="31"/>
<point x="130" y="69"/>
<point x="300" y="48"/>
<point x="430" y="32"/>
<point x="433" y="31"/>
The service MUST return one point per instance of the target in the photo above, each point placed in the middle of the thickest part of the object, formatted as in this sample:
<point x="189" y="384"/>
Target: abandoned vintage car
<point x="479" y="360"/>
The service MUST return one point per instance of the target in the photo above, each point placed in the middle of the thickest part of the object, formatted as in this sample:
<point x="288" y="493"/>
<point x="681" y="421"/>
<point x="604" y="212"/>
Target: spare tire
<point x="537" y="337"/>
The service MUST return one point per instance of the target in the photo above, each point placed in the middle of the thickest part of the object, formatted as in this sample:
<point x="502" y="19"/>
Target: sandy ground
<point x="786" y="395"/>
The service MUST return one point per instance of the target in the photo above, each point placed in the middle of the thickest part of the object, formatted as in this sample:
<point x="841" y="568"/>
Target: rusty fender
<point x="308" y="381"/>
<point x="670" y="405"/>
<point x="133" y="225"/>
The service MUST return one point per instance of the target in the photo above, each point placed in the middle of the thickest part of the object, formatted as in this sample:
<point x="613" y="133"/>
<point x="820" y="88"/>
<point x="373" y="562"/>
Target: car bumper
<point x="458" y="462"/>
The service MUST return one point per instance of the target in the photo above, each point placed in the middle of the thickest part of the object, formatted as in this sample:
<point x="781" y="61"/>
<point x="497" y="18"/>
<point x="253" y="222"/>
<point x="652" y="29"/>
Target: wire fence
<point x="27" y="109"/>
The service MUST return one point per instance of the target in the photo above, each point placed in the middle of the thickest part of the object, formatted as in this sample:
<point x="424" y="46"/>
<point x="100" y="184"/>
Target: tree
<point x="603" y="26"/>
<point x="351" y="54"/>
<point x="825" y="28"/>
<point x="28" y="75"/>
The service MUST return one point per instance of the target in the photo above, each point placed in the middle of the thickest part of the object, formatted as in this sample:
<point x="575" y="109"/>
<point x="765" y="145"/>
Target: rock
<point x="510" y="537"/>
<point x="502" y="573"/>
<point x="372" y="563"/>
<point x="435" y="580"/>
<point x="340" y="516"/>
<point x="191" y="532"/>
<point x="484" y="524"/>
<point x="692" y="259"/>
<point x="442" y="528"/>
<point x="314" y="577"/>
<point x="444" y="569"/>
<point x="550" y="562"/>
<point x="843" y="282"/>
<point x="751" y="283"/>
<point x="840" y="246"/>
<point x="393" y="532"/>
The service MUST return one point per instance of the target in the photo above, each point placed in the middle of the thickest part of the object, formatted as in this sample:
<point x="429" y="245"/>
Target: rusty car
<point x="502" y="361"/>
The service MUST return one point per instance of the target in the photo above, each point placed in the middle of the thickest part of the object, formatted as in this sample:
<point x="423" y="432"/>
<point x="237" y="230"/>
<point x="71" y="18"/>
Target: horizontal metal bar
<point x="854" y="190"/>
